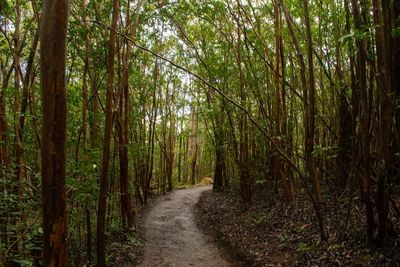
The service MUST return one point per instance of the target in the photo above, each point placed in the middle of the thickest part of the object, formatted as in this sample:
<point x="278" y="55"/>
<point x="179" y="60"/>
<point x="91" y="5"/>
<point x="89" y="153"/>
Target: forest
<point x="290" y="108"/>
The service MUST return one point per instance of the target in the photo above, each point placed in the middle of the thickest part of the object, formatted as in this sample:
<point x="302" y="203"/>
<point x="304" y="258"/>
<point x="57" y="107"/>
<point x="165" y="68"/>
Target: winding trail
<point x="172" y="237"/>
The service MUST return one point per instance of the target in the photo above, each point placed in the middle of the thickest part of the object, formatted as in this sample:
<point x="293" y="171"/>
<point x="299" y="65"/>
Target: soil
<point x="172" y="237"/>
<point x="269" y="232"/>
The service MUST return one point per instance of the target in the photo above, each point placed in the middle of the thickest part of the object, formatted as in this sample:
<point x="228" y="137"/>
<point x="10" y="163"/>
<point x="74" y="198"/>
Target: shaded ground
<point x="172" y="237"/>
<point x="271" y="233"/>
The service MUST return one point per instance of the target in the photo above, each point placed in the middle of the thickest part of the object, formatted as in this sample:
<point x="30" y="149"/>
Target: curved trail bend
<point x="172" y="238"/>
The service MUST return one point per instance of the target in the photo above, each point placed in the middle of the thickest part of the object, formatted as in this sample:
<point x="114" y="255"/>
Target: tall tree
<point x="123" y="122"/>
<point x="245" y="179"/>
<point x="54" y="103"/>
<point x="102" y="204"/>
<point x="382" y="18"/>
<point x="193" y="144"/>
<point x="19" y="149"/>
<point x="361" y="87"/>
<point x="278" y="167"/>
<point x="306" y="116"/>
<point x="344" y="159"/>
<point x="310" y="110"/>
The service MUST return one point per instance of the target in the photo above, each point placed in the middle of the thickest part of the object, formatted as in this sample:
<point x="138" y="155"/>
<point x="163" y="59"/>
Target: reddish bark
<point x="102" y="204"/>
<point x="53" y="153"/>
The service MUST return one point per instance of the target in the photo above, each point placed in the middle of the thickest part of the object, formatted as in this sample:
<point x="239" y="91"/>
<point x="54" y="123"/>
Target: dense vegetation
<point x="294" y="97"/>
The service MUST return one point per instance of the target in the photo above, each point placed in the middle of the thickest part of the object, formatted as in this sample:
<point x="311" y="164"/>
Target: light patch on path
<point x="172" y="238"/>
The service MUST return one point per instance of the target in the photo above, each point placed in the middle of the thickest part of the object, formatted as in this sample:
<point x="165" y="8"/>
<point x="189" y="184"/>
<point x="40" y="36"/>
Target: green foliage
<point x="261" y="219"/>
<point x="326" y="152"/>
<point x="396" y="32"/>
<point x="283" y="238"/>
<point x="124" y="248"/>
<point x="304" y="247"/>
<point x="24" y="262"/>
<point x="209" y="38"/>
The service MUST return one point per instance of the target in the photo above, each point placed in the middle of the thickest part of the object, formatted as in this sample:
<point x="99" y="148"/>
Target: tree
<point x="53" y="154"/>
<point x="278" y="97"/>
<point x="361" y="87"/>
<point x="102" y="204"/>
<point x="279" y="170"/>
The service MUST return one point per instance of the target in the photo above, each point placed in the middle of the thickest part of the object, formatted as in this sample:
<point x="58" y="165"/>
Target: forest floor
<point x="271" y="233"/>
<point x="172" y="237"/>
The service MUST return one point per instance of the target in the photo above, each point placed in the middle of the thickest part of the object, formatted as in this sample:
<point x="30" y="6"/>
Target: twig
<point x="38" y="220"/>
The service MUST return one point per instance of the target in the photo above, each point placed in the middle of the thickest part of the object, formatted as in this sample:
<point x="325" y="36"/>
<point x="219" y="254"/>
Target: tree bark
<point x="53" y="154"/>
<point x="381" y="12"/>
<point x="219" y="171"/>
<point x="303" y="80"/>
<point x="102" y="204"/>
<point x="193" y="144"/>
<point x="344" y="158"/>
<point x="4" y="150"/>
<point x="19" y="147"/>
<point x="310" y="138"/>
<point x="244" y="179"/>
<point x="361" y="85"/>
<point x="123" y="127"/>
<point x="278" y="166"/>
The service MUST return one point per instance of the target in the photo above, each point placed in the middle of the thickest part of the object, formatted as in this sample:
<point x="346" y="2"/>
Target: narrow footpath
<point x="172" y="237"/>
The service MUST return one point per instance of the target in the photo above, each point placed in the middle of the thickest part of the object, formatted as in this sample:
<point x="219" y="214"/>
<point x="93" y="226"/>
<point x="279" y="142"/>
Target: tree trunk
<point x="361" y="85"/>
<point x="102" y="204"/>
<point x="395" y="83"/>
<point x="381" y="12"/>
<point x="123" y="128"/>
<point x="278" y="166"/>
<point x="180" y="158"/>
<point x="219" y="171"/>
<point x="344" y="157"/>
<point x="4" y="153"/>
<point x="19" y="147"/>
<point x="309" y="139"/>
<point x="303" y="80"/>
<point x="193" y="144"/>
<point x="53" y="154"/>
<point x="245" y="179"/>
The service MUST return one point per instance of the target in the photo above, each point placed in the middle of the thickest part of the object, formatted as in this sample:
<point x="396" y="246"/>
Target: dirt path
<point x="172" y="237"/>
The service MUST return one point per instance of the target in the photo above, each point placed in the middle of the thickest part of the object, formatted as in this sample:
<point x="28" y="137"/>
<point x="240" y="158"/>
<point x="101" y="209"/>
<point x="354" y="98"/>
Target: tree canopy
<point x="295" y="97"/>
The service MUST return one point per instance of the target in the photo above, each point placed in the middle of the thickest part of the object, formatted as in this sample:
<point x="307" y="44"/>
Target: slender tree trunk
<point x="193" y="145"/>
<point x="361" y="84"/>
<point x="84" y="131"/>
<point x="53" y="154"/>
<point x="4" y="151"/>
<point x="310" y="138"/>
<point x="381" y="12"/>
<point x="278" y="166"/>
<point x="123" y="128"/>
<point x="180" y="158"/>
<point x="245" y="184"/>
<point x="152" y="129"/>
<point x="171" y="139"/>
<point x="219" y="151"/>
<point x="94" y="116"/>
<point x="88" y="236"/>
<point x="344" y="159"/>
<point x="19" y="146"/>
<point x="102" y="204"/>
<point x="303" y="80"/>
<point x="395" y="46"/>
<point x="288" y="140"/>
<point x="354" y="100"/>
<point x="395" y="83"/>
